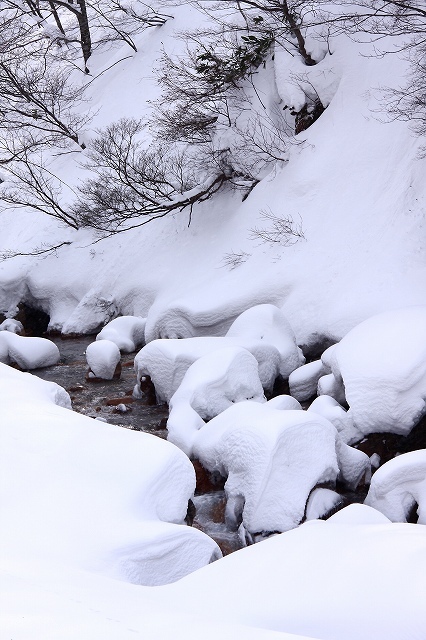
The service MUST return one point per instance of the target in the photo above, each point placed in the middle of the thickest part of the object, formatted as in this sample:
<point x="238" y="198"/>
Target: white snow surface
<point x="11" y="325"/>
<point x="167" y="360"/>
<point x="304" y="380"/>
<point x="212" y="383"/>
<point x="128" y="333"/>
<point x="89" y="496"/>
<point x="272" y="459"/>
<point x="266" y="322"/>
<point x="329" y="408"/>
<point x="87" y="507"/>
<point x="27" y="352"/>
<point x="382" y="363"/>
<point x="399" y="485"/>
<point x="103" y="358"/>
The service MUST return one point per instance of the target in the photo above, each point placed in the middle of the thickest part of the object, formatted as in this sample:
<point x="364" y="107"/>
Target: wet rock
<point x="206" y="482"/>
<point x="114" y="402"/>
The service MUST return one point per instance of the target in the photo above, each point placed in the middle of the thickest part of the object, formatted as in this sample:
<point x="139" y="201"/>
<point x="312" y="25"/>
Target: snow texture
<point x="329" y="408"/>
<point x="266" y="322"/>
<point x="103" y="358"/>
<point x="92" y="496"/>
<point x="167" y="361"/>
<point x="212" y="383"/>
<point x="272" y="460"/>
<point x="304" y="380"/>
<point x="27" y="353"/>
<point x="382" y="363"/>
<point x="11" y="325"/>
<point x="127" y="332"/>
<point x="399" y="486"/>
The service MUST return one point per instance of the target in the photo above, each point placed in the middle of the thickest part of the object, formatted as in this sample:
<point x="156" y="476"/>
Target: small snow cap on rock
<point x="12" y="325"/>
<point x="103" y="358"/>
<point x="127" y="332"/>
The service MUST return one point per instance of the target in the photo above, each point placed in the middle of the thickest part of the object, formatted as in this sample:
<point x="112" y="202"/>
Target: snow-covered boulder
<point x="320" y="502"/>
<point x="167" y="361"/>
<point x="86" y="496"/>
<point x="266" y="322"/>
<point x="329" y="408"/>
<point x="303" y="381"/>
<point x="330" y="385"/>
<point x="382" y="364"/>
<point x="272" y="460"/>
<point x="128" y="333"/>
<point x="212" y="383"/>
<point x="284" y="403"/>
<point x="12" y="325"/>
<point x="399" y="485"/>
<point x="27" y="353"/>
<point x="103" y="358"/>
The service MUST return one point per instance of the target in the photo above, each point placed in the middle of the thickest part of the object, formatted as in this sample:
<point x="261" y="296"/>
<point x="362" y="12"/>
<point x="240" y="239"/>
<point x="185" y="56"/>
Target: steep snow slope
<point x="353" y="180"/>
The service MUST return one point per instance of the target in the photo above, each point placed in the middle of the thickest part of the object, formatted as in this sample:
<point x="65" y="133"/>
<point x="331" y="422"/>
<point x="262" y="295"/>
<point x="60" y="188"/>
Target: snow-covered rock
<point x="329" y="408"/>
<point x="103" y="358"/>
<point x="128" y="333"/>
<point x="12" y="325"/>
<point x="303" y="381"/>
<point x="90" y="496"/>
<point x="167" y="361"/>
<point x="285" y="402"/>
<point x="27" y="353"/>
<point x="272" y="460"/>
<point x="398" y="486"/>
<point x="266" y="322"/>
<point x="320" y="502"/>
<point x="330" y="385"/>
<point x="212" y="383"/>
<point x="382" y="363"/>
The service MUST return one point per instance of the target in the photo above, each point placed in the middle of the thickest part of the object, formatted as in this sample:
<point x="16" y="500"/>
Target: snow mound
<point x="93" y="311"/>
<point x="272" y="460"/>
<point x="27" y="353"/>
<point x="382" y="364"/>
<point x="266" y="322"/>
<point x="103" y="358"/>
<point x="329" y="408"/>
<point x="11" y="325"/>
<point x="284" y="402"/>
<point x="212" y="383"/>
<point x="399" y="486"/>
<point x="117" y="504"/>
<point x="167" y="361"/>
<point x="127" y="332"/>
<point x="330" y="385"/>
<point x="304" y="380"/>
<point x="320" y="502"/>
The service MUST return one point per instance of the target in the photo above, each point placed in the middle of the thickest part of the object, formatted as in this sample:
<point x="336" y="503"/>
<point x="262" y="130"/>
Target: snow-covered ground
<point x="92" y="536"/>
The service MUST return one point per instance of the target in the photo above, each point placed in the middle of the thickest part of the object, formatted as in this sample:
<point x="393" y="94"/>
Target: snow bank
<point x="329" y="408"/>
<point x="212" y="383"/>
<point x="382" y="363"/>
<point x="399" y="486"/>
<point x="167" y="361"/>
<point x="272" y="460"/>
<point x="91" y="496"/>
<point x="103" y="358"/>
<point x="27" y="353"/>
<point x="128" y="333"/>
<point x="266" y="322"/>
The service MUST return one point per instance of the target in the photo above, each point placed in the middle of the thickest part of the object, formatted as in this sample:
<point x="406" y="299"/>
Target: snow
<point x="212" y="383"/>
<point x="28" y="353"/>
<point x="329" y="408"/>
<point x="266" y="322"/>
<point x="167" y="361"/>
<point x="272" y="459"/>
<point x="11" y="325"/>
<point x="91" y="496"/>
<point x="128" y="333"/>
<point x="304" y="380"/>
<point x="382" y="363"/>
<point x="103" y="358"/>
<point x="398" y="486"/>
<point x="321" y="502"/>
